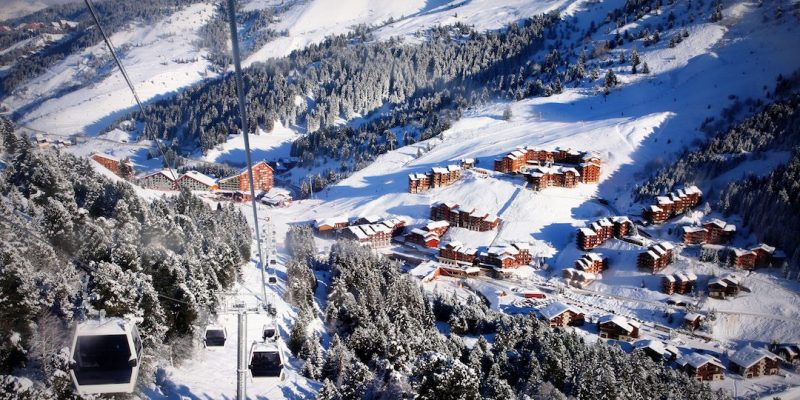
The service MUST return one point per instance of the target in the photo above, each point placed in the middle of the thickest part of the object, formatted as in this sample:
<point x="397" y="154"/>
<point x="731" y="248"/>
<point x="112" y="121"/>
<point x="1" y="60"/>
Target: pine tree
<point x="507" y="114"/>
<point x="645" y="69"/>
<point x="611" y="79"/>
<point x="635" y="61"/>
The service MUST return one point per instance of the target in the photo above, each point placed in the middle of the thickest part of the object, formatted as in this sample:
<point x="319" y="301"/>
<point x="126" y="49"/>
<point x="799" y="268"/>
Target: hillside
<point x="370" y="113"/>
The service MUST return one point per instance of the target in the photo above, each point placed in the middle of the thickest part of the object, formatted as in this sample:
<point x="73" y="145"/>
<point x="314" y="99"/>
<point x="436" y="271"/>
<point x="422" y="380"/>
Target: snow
<point x="265" y="145"/>
<point x="18" y="8"/>
<point x="310" y="22"/>
<point x="211" y="372"/>
<point x="150" y="62"/>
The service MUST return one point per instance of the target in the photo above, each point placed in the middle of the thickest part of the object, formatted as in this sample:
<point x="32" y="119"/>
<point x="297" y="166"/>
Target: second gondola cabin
<point x="215" y="336"/>
<point x="106" y="355"/>
<point x="266" y="362"/>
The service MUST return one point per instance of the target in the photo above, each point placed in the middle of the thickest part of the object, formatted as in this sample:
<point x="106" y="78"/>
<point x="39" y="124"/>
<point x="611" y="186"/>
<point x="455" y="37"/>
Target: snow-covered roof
<point x="654" y="208"/>
<point x="622" y="322"/>
<point x="333" y="221"/>
<point x="437" y="224"/>
<point x="670" y="278"/>
<point x="731" y="279"/>
<point x="693" y="229"/>
<point x="693" y="317"/>
<point x="765" y="247"/>
<point x="104" y="326"/>
<point x="718" y="282"/>
<point x="717" y="222"/>
<point x="357" y="232"/>
<point x="557" y="308"/>
<point x="200" y="177"/>
<point x="372" y="219"/>
<point x="741" y="252"/>
<point x="665" y="350"/>
<point x="107" y="157"/>
<point x="468" y="160"/>
<point x="663" y="200"/>
<point x="453" y="168"/>
<point x="697" y="360"/>
<point x="748" y="355"/>
<point x="666" y="245"/>
<point x="166" y="172"/>
<point x="587" y="231"/>
<point x="593" y="257"/>
<point x="692" y="190"/>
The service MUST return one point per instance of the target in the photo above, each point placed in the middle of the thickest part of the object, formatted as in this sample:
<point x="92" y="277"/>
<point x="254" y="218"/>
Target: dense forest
<point x="74" y="243"/>
<point x="766" y="200"/>
<point x="386" y="345"/>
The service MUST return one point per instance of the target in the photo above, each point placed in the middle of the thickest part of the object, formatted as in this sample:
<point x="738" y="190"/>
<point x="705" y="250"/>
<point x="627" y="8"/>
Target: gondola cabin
<point x="106" y="354"/>
<point x="272" y="279"/>
<point x="266" y="362"/>
<point x="269" y="331"/>
<point x="215" y="336"/>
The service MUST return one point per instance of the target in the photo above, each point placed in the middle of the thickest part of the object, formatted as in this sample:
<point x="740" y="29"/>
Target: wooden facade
<point x="656" y="258"/>
<point x="558" y="314"/>
<point x="673" y="204"/>
<point x="436" y="178"/>
<point x="601" y="230"/>
<point x="263" y="179"/>
<point x="617" y="328"/>
<point x="702" y="367"/>
<point x="111" y="163"/>
<point x="751" y="362"/>
<point x="464" y="217"/>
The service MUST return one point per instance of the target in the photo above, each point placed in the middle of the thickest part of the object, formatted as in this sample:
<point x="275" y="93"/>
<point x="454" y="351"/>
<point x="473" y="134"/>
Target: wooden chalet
<point x="592" y="263"/>
<point x="601" y="230"/>
<point x="693" y="321"/>
<point x="467" y="163"/>
<point x="789" y="352"/>
<point x="702" y="367"/>
<point x="657" y="350"/>
<point x="423" y="238"/>
<point x="504" y="257"/>
<point x="656" y="258"/>
<point x="464" y="217"/>
<point x="159" y="180"/>
<point x="456" y="253"/>
<point x="262" y="179"/>
<point x="577" y="278"/>
<point x="330" y="225"/>
<point x="436" y="178"/>
<point x="437" y="227"/>
<point x="672" y="204"/>
<point x="196" y="181"/>
<point x="374" y="235"/>
<point x="456" y="270"/>
<point x="558" y="314"/>
<point x="542" y="177"/>
<point x="751" y="362"/>
<point x="724" y="287"/>
<point x="516" y="160"/>
<point x="617" y="328"/>
<point x="111" y="163"/>
<point x="680" y="282"/>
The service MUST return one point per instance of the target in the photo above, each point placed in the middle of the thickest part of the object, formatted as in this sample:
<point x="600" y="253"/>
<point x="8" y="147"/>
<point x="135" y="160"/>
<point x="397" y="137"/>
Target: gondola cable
<point x="130" y="84"/>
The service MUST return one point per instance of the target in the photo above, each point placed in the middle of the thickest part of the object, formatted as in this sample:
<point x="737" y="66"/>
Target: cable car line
<point x="128" y="81"/>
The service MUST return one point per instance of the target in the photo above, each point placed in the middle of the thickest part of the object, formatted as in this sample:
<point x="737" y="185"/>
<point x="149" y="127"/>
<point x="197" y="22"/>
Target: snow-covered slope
<point x="645" y="122"/>
<point x="18" y="8"/>
<point x="310" y="22"/>
<point x="160" y="59"/>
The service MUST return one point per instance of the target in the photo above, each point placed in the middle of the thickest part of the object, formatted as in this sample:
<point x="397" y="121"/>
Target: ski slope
<point x="153" y="56"/>
<point x="637" y="127"/>
<point x="310" y="22"/>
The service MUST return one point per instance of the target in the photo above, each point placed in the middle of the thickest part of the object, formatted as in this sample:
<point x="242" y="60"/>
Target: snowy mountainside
<point x="159" y="59"/>
<point x="648" y="119"/>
